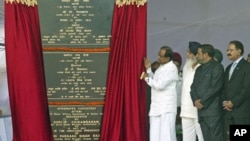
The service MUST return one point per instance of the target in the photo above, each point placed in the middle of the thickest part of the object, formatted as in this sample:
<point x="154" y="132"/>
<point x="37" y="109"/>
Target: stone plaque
<point x="76" y="23"/>
<point x="75" y="76"/>
<point x="76" y="123"/>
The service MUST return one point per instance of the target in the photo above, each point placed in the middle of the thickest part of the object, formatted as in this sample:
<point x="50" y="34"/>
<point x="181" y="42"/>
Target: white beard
<point x="189" y="62"/>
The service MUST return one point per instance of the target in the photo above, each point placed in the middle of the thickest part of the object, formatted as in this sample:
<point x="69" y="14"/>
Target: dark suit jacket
<point x="237" y="89"/>
<point x="207" y="86"/>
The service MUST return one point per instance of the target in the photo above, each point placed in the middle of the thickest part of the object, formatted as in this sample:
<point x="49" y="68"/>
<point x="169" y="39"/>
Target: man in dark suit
<point x="236" y="92"/>
<point x="206" y="94"/>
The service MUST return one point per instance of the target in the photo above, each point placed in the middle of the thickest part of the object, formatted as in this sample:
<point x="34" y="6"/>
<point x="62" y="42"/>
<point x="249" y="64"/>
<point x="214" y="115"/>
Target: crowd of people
<point x="204" y="97"/>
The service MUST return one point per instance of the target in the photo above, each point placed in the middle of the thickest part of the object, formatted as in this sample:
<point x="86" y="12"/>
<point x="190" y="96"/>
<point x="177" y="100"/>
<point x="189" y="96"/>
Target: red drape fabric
<point x="25" y="71"/>
<point x="124" y="117"/>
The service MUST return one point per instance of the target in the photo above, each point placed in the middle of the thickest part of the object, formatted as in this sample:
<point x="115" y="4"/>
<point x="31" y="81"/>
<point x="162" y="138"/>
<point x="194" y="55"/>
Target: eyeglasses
<point x="161" y="56"/>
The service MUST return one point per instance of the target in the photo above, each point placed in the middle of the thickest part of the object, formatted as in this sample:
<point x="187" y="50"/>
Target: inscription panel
<point x="76" y="23"/>
<point x="76" y="123"/>
<point x="75" y="76"/>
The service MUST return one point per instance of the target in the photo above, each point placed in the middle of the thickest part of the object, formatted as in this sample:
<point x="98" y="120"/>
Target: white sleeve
<point x="165" y="78"/>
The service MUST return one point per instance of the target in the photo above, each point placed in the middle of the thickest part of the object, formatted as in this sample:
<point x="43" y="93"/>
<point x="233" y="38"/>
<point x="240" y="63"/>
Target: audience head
<point x="193" y="47"/>
<point x="235" y="50"/>
<point x="205" y="53"/>
<point x="177" y="60"/>
<point x="165" y="55"/>
<point x="248" y="58"/>
<point x="154" y="66"/>
<point x="218" y="56"/>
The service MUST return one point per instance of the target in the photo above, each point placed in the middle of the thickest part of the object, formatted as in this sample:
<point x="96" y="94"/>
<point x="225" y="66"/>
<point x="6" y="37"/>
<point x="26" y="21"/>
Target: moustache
<point x="229" y="55"/>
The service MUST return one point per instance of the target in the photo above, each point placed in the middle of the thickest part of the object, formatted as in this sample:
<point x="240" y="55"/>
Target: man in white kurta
<point x="163" y="105"/>
<point x="190" y="125"/>
<point x="5" y="114"/>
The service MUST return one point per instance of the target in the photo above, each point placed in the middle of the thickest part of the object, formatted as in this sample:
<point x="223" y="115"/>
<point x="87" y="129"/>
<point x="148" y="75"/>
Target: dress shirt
<point x="233" y="66"/>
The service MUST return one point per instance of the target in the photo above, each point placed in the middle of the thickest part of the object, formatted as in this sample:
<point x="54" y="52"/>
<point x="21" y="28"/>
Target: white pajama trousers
<point x="162" y="127"/>
<point x="191" y="128"/>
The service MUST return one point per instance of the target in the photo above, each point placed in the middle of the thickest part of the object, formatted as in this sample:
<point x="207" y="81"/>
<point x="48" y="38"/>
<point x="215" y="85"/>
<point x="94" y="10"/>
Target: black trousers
<point x="212" y="128"/>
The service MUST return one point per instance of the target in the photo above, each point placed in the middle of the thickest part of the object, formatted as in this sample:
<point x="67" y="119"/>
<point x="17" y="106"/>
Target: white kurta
<point x="179" y="90"/>
<point x="190" y="125"/>
<point x="5" y="119"/>
<point x="163" y="106"/>
<point x="187" y="106"/>
<point x="163" y="89"/>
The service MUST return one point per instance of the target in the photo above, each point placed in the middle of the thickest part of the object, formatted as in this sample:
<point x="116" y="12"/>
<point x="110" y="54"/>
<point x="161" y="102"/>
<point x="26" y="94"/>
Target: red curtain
<point x="26" y="79"/>
<point x="124" y="117"/>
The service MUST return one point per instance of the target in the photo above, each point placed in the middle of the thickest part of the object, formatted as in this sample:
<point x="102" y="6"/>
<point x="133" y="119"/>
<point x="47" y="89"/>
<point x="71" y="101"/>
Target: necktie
<point x="232" y="70"/>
